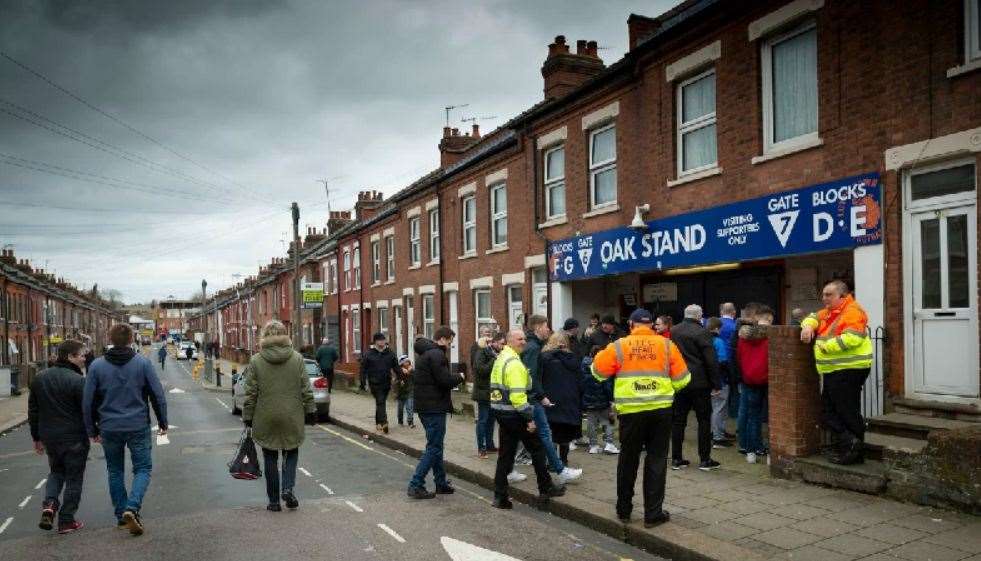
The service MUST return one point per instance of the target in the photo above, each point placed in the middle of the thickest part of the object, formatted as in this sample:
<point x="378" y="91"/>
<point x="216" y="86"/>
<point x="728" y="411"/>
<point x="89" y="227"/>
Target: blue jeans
<point x="114" y="446"/>
<point x="750" y="423"/>
<point x="545" y="435"/>
<point x="404" y="410"/>
<point x="485" y="426"/>
<point x="432" y="457"/>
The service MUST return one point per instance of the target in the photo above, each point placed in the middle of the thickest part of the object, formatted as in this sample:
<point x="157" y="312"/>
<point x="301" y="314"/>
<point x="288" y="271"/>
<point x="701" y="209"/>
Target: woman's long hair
<point x="558" y="341"/>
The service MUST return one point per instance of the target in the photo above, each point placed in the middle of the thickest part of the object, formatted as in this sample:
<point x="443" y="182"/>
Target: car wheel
<point x="323" y="413"/>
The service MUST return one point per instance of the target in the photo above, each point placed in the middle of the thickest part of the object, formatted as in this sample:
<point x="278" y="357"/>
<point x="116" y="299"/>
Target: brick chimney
<point x="314" y="235"/>
<point x="452" y="146"/>
<point x="639" y="28"/>
<point x="368" y="204"/>
<point x="7" y="256"/>
<point x="337" y="220"/>
<point x="564" y="71"/>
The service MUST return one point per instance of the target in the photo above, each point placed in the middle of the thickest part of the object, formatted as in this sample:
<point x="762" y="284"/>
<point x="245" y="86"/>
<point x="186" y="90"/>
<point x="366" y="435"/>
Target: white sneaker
<point x="569" y="474"/>
<point x="595" y="449"/>
<point x="610" y="448"/>
<point x="516" y="477"/>
<point x="572" y="446"/>
<point x="750" y="458"/>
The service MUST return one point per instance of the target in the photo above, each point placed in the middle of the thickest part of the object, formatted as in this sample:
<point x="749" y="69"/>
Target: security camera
<point x="638" y="222"/>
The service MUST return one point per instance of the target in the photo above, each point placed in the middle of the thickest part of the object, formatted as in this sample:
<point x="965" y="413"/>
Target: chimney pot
<point x="591" y="49"/>
<point x="446" y="132"/>
<point x="476" y="131"/>
<point x="456" y="131"/>
<point x="581" y="47"/>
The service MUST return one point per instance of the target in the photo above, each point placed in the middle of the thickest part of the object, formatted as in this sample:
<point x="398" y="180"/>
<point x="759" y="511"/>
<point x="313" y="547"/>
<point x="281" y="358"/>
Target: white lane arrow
<point x="463" y="551"/>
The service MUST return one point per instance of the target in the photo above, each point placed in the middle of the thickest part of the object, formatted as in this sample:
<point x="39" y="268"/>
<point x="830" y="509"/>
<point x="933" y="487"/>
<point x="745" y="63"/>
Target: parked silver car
<point x="317" y="383"/>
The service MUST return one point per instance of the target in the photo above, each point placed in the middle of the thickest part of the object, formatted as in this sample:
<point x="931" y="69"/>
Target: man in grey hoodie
<point x="117" y="389"/>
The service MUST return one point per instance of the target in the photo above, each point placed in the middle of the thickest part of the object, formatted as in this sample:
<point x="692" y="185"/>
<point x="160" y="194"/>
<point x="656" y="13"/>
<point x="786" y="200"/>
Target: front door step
<point x="869" y="478"/>
<point x="938" y="409"/>
<point x="880" y="446"/>
<point x="912" y="426"/>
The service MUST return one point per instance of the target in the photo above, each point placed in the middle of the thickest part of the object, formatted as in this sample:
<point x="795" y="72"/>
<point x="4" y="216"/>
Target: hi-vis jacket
<point x="649" y="369"/>
<point x="509" y="385"/>
<point x="842" y="340"/>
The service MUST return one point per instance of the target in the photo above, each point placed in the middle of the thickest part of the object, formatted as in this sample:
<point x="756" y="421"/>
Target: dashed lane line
<point x="354" y="506"/>
<point x="5" y="524"/>
<point x="351" y="440"/>
<point x="326" y="488"/>
<point x="40" y="484"/>
<point x="392" y="533"/>
<point x="23" y="503"/>
<point x="223" y="404"/>
<point x="305" y="472"/>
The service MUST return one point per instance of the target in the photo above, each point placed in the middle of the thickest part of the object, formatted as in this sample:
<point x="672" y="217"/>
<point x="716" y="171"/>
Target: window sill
<point x="467" y="256"/>
<point x="496" y="250"/>
<point x="433" y="263"/>
<point x="390" y="281"/>
<point x="558" y="220"/>
<point x="695" y="176"/>
<point x="374" y="284"/>
<point x="807" y="145"/>
<point x="414" y="267"/>
<point x="964" y="68"/>
<point x="602" y="210"/>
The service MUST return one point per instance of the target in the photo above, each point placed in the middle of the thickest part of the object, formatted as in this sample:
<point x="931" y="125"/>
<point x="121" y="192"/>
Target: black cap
<point x="571" y="323"/>
<point x="378" y="337"/>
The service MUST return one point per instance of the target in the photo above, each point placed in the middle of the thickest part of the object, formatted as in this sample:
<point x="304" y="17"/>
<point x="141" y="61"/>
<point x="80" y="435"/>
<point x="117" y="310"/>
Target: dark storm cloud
<point x="259" y="99"/>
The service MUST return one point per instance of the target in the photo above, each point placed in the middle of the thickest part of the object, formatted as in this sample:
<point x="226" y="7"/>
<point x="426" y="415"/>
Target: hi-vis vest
<point x="509" y="384"/>
<point x="842" y="341"/>
<point x="649" y="369"/>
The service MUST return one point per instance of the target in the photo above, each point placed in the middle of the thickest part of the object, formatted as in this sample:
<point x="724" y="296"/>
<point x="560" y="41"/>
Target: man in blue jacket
<point x="116" y="414"/>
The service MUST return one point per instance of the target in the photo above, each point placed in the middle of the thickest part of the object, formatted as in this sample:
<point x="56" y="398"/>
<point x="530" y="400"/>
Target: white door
<point x="397" y="318"/>
<point x="410" y="314"/>
<point x="515" y="306"/>
<point x="539" y="292"/>
<point x="455" y="326"/>
<point x="942" y="251"/>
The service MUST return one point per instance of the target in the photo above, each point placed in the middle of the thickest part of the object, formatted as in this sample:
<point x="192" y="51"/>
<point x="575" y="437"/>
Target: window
<point x="347" y="270"/>
<point x="357" y="267"/>
<point x="499" y="215"/>
<point x="790" y="92"/>
<point x="696" y="123"/>
<point x="428" y="316"/>
<point x="972" y="29"/>
<point x="414" y="252"/>
<point x="333" y="275"/>
<point x="603" y="166"/>
<point x="555" y="182"/>
<point x="375" y="262"/>
<point x="356" y="330"/>
<point x="482" y="308"/>
<point x="434" y="235"/>
<point x="516" y="315"/>
<point x="469" y="224"/>
<point x="383" y="321"/>
<point x="390" y="256"/>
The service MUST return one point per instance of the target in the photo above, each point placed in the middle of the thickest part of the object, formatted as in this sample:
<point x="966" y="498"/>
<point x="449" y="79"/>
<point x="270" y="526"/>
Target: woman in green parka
<point x="278" y="400"/>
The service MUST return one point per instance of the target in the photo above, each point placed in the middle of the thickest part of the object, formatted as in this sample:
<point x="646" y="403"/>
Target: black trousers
<point x="647" y="430"/>
<point x="329" y="374"/>
<point x="841" y="402"/>
<point x="381" y="395"/>
<point x="512" y="431"/>
<point x="67" y="463"/>
<point x="684" y="401"/>
<point x="271" y="460"/>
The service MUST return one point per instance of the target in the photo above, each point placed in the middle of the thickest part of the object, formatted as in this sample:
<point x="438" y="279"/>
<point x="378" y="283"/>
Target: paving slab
<point x="966" y="538"/>
<point x="923" y="551"/>
<point x="890" y="533"/>
<point x="787" y="538"/>
<point x="798" y="511"/>
<point x="853" y="544"/>
<point x="811" y="553"/>
<point x="764" y="521"/>
<point x="827" y="526"/>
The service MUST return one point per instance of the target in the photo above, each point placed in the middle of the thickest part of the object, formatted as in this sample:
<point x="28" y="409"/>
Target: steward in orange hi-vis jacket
<point x="649" y="369"/>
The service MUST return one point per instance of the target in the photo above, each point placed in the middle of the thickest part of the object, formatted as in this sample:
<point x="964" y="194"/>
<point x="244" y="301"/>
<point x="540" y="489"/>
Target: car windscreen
<point x="312" y="369"/>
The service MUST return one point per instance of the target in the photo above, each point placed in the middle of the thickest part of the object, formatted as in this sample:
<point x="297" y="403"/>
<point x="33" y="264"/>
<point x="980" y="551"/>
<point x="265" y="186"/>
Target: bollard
<point x="218" y="376"/>
<point x="15" y="379"/>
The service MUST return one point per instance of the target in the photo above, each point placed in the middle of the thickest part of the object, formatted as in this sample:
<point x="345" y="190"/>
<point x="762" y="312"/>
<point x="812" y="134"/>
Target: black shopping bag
<point x="245" y="464"/>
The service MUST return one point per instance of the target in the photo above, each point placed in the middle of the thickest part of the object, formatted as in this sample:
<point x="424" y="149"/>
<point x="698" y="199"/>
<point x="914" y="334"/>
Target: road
<point x="352" y="495"/>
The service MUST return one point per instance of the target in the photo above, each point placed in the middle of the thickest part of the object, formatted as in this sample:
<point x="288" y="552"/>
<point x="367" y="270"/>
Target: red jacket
<point x="752" y="352"/>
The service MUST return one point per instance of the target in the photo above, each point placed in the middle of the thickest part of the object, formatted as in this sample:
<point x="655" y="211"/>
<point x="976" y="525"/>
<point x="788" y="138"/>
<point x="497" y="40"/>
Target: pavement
<point x="352" y="504"/>
<point x="13" y="411"/>
<point x="736" y="512"/>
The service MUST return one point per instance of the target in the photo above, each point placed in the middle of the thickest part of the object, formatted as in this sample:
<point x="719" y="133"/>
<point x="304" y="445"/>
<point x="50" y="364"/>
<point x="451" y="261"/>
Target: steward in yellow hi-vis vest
<point x="509" y="385"/>
<point x="648" y="370"/>
<point x="843" y="358"/>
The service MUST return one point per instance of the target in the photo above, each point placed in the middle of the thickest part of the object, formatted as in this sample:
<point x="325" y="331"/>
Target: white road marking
<point x="23" y="503"/>
<point x="326" y="488"/>
<point x="305" y="472"/>
<point x="223" y="404"/>
<point x="41" y="484"/>
<point x="354" y="506"/>
<point x="463" y="551"/>
<point x="392" y="533"/>
<point x="351" y="440"/>
<point x="176" y="390"/>
<point x="5" y="524"/>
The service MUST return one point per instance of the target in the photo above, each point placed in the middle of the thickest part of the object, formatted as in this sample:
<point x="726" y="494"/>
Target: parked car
<point x="183" y="348"/>
<point x="317" y="383"/>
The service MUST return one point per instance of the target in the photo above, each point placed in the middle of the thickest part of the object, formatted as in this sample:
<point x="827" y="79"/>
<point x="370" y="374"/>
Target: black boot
<point x="854" y="454"/>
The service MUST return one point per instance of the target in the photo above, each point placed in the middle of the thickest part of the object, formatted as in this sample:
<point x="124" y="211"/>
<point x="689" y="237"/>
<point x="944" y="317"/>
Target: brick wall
<point x="795" y="400"/>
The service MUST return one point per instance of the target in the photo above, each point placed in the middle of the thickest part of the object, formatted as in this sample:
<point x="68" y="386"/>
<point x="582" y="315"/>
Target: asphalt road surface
<point x="352" y="504"/>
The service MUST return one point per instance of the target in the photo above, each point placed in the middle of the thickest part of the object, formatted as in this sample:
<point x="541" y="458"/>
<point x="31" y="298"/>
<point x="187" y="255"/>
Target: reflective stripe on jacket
<point x="649" y="369"/>
<point x="509" y="385"/>
<point x="842" y="341"/>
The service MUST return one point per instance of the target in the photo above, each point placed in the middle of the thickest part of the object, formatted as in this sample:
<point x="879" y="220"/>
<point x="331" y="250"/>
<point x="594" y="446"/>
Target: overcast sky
<point x="225" y="112"/>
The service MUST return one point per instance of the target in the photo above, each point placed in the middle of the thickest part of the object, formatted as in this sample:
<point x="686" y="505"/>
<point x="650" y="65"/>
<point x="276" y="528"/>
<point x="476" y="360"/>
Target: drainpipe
<point x="5" y="357"/>
<point x="442" y="258"/>
<point x="538" y="232"/>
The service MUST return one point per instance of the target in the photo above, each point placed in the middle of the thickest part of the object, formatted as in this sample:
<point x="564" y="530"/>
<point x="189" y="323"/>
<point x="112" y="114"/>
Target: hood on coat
<point x="120" y="355"/>
<point x="752" y="332"/>
<point x="276" y="349"/>
<point x="422" y="345"/>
